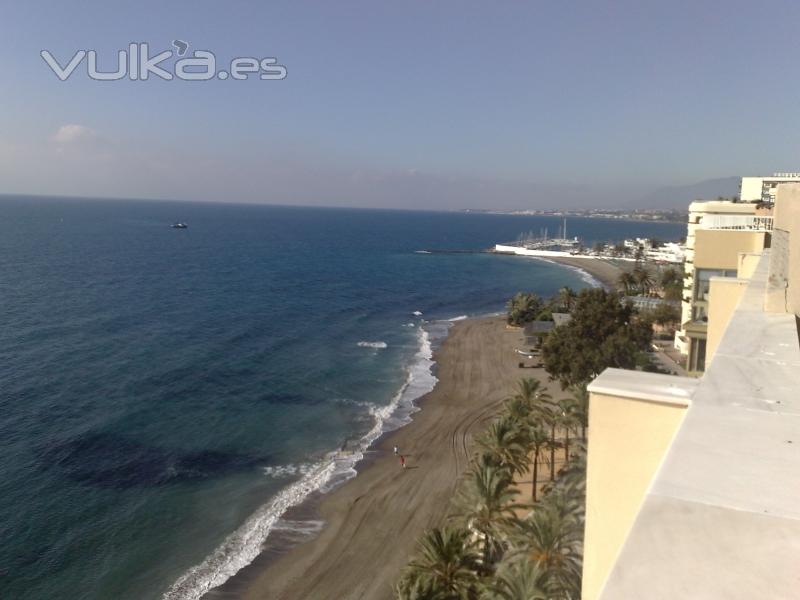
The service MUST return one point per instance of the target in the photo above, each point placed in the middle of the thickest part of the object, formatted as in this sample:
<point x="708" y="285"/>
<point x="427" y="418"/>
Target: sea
<point x="166" y="394"/>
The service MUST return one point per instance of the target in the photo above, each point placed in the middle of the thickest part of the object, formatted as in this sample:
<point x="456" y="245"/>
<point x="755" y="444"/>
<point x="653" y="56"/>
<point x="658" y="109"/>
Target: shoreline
<point x="302" y="522"/>
<point x="370" y="524"/>
<point x="603" y="270"/>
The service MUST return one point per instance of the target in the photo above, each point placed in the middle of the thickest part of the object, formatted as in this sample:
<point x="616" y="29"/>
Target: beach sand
<point x="605" y="271"/>
<point x="373" y="521"/>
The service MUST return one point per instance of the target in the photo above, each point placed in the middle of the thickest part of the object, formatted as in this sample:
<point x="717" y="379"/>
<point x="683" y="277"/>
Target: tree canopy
<point x="602" y="333"/>
<point x="523" y="308"/>
<point x="665" y="314"/>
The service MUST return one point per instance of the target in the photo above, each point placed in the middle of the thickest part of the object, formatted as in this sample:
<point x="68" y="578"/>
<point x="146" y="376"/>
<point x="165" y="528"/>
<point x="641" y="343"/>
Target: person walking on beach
<point x="396" y="450"/>
<point x="402" y="461"/>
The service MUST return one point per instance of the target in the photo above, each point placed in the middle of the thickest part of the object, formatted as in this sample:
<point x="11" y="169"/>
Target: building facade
<point x="693" y="483"/>
<point x="717" y="232"/>
<point x="763" y="189"/>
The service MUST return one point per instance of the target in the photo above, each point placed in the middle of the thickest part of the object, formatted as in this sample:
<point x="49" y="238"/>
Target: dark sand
<point x="606" y="271"/>
<point x="372" y="522"/>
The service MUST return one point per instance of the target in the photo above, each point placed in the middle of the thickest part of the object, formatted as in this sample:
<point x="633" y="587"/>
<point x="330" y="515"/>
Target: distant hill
<point x="679" y="196"/>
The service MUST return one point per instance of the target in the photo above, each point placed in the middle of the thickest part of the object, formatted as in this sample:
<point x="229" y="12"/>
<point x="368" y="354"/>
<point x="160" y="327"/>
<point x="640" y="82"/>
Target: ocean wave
<point x="587" y="277"/>
<point x="290" y="470"/>
<point x="417" y="313"/>
<point x="459" y="318"/>
<point x="242" y="546"/>
<point x="378" y="345"/>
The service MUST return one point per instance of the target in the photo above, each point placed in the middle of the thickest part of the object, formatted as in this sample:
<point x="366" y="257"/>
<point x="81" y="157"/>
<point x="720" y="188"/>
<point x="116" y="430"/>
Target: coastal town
<point x="399" y="301"/>
<point x="642" y="463"/>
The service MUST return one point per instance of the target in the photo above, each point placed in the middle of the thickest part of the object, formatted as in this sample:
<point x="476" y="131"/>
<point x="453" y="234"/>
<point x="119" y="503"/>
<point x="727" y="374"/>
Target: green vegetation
<point x="640" y="282"/>
<point x="495" y="546"/>
<point x="671" y="282"/>
<point x="602" y="333"/>
<point x="524" y="308"/>
<point x="665" y="315"/>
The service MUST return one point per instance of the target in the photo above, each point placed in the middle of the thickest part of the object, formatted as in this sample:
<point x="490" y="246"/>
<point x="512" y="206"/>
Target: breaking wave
<point x="379" y="345"/>
<point x="242" y="546"/>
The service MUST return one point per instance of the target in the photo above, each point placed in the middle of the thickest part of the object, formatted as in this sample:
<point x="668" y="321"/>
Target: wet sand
<point x="372" y="522"/>
<point x="605" y="271"/>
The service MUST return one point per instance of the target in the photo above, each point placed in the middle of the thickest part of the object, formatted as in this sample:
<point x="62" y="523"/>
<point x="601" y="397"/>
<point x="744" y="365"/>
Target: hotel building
<point x="693" y="482"/>
<point x="717" y="232"/>
<point x="763" y="189"/>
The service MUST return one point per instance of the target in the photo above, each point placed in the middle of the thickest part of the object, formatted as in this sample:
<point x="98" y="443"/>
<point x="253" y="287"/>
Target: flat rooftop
<point x="722" y="516"/>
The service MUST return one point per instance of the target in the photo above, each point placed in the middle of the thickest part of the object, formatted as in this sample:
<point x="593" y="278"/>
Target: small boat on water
<point x="180" y="225"/>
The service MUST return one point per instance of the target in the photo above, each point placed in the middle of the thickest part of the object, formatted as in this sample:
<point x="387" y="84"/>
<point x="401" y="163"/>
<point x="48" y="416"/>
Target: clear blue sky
<point x="405" y="104"/>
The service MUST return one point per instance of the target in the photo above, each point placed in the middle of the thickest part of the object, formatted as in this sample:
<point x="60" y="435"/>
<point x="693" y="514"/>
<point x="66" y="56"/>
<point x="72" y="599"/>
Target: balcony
<point x="736" y="222"/>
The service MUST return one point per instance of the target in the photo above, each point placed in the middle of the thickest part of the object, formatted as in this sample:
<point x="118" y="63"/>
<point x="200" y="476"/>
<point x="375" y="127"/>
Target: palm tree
<point x="529" y="391"/>
<point x="546" y="413"/>
<point x="504" y="443"/>
<point x="566" y="298"/>
<point x="484" y="503"/>
<point x="518" y="580"/>
<point x="568" y="416"/>
<point x="517" y="409"/>
<point x="538" y="441"/>
<point x="626" y="281"/>
<point x="411" y="588"/>
<point x="581" y="395"/>
<point x="444" y="568"/>
<point x="643" y="280"/>
<point x="552" y="540"/>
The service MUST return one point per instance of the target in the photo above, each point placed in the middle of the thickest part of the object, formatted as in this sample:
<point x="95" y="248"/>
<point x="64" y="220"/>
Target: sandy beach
<point x="605" y="271"/>
<point x="372" y="522"/>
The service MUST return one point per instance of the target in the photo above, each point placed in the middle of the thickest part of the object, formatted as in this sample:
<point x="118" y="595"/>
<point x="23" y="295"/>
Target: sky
<point x="412" y="104"/>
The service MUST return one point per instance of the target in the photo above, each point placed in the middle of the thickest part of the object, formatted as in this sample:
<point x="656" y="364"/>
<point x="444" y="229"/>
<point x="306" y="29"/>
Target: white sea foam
<point x="379" y="345"/>
<point x="459" y="318"/>
<point x="417" y="313"/>
<point x="243" y="545"/>
<point x="584" y="274"/>
<point x="284" y="471"/>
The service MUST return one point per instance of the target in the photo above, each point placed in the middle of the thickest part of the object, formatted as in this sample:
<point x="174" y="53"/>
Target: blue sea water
<point x="164" y="393"/>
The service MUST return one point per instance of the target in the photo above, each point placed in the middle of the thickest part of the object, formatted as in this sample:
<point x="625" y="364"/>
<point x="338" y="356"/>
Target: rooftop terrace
<point x="721" y="518"/>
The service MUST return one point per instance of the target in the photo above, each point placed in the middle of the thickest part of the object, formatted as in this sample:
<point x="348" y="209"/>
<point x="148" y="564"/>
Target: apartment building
<point x="717" y="232"/>
<point x="763" y="189"/>
<point x="693" y="482"/>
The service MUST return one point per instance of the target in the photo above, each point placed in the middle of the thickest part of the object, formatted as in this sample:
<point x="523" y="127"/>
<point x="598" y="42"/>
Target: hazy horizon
<point x="419" y="106"/>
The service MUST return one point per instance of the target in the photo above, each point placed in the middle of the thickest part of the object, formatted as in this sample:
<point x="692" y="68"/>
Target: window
<point x="700" y="313"/>
<point x="702" y="281"/>
<point x="697" y="355"/>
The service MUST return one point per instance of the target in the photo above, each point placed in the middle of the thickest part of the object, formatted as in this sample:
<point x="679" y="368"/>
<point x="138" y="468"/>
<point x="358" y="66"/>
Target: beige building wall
<point x="748" y="261"/>
<point x="724" y="295"/>
<point x="719" y="249"/>
<point x="629" y="437"/>
<point x="783" y="292"/>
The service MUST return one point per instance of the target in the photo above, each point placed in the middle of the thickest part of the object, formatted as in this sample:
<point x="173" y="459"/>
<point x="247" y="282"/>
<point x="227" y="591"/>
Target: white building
<point x="763" y="189"/>
<point x="717" y="231"/>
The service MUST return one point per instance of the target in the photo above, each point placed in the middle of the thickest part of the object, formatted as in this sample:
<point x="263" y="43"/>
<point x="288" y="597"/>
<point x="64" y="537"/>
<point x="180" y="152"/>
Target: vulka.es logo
<point x="137" y="64"/>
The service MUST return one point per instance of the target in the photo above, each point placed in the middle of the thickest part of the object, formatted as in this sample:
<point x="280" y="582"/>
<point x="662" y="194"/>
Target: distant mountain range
<point x="679" y="196"/>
